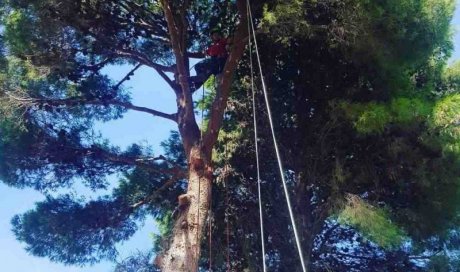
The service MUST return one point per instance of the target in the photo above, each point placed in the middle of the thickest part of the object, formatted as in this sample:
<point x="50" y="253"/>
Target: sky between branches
<point x="148" y="89"/>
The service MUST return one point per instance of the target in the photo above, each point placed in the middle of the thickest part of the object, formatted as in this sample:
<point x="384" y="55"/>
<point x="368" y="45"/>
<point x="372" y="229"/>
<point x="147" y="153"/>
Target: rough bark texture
<point x="184" y="251"/>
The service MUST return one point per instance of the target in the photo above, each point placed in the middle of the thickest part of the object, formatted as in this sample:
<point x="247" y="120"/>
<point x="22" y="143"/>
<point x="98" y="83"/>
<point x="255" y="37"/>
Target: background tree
<point x="355" y="97"/>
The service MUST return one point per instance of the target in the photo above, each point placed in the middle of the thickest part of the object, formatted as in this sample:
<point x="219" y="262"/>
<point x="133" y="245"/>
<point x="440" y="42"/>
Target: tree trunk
<point x="184" y="251"/>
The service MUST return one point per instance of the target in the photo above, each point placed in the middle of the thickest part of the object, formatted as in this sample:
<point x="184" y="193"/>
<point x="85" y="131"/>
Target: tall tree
<point x="53" y="91"/>
<point x="356" y="88"/>
<point x="363" y="101"/>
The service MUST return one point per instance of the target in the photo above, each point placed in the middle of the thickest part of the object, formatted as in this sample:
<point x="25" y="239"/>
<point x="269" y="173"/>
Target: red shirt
<point x="217" y="49"/>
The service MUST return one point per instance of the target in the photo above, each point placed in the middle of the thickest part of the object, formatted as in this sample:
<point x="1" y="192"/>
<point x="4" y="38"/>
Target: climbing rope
<point x="210" y="234"/>
<point x="278" y="156"/>
<point x="199" y="180"/>
<point x="227" y="201"/>
<point x="210" y="201"/>
<point x="199" y="188"/>
<point x="262" y="236"/>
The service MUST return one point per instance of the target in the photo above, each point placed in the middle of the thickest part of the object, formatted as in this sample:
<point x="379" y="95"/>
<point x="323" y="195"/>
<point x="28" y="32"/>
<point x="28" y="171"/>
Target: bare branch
<point x="155" y="194"/>
<point x="175" y="171"/>
<point x="196" y="55"/>
<point x="171" y="83"/>
<point x="29" y="102"/>
<point x="353" y="256"/>
<point x="426" y="257"/>
<point x="127" y="76"/>
<point x="172" y="117"/>
<point x="141" y="58"/>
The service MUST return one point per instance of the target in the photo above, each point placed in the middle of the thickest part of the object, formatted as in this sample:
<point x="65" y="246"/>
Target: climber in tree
<point x="217" y="53"/>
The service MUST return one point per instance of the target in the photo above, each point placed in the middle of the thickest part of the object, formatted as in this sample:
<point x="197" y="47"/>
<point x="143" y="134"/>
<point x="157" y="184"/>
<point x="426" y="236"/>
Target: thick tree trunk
<point x="184" y="251"/>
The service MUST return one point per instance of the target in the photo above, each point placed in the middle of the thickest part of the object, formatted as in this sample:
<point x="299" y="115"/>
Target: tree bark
<point x="184" y="251"/>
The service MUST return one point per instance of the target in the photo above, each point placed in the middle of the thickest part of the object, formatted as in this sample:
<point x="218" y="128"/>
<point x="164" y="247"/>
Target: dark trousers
<point x="205" y="68"/>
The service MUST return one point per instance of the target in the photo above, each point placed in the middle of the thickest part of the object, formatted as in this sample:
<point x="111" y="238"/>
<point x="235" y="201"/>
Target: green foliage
<point x="380" y="65"/>
<point x="385" y="60"/>
<point x="442" y="263"/>
<point x="407" y="110"/>
<point x="451" y="79"/>
<point x="18" y="30"/>
<point x="164" y="224"/>
<point x="73" y="231"/>
<point x="286" y="17"/>
<point x="68" y="231"/>
<point x="373" y="117"/>
<point x="53" y="92"/>
<point x="139" y="262"/>
<point x="372" y="222"/>
<point x="445" y="120"/>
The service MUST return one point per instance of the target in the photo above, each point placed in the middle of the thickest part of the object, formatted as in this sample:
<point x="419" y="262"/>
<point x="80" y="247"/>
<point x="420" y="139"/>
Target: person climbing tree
<point x="218" y="53"/>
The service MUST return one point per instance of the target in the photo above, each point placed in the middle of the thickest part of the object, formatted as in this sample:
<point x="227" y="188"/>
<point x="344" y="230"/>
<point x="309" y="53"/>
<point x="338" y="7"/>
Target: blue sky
<point x="456" y="24"/>
<point x="148" y="90"/>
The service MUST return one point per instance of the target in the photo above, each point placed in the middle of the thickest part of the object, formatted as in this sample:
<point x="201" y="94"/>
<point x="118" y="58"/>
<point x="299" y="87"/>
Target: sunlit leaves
<point x="446" y="120"/>
<point x="373" y="223"/>
<point x="374" y="117"/>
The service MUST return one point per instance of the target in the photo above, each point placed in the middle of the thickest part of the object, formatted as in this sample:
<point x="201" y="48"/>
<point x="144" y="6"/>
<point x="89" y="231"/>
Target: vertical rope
<point x="262" y="236"/>
<point x="227" y="218"/>
<point x="278" y="156"/>
<point x="210" y="235"/>
<point x="199" y="180"/>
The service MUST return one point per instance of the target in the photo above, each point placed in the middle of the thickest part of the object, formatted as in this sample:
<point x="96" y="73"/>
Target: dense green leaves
<point x="363" y="100"/>
<point x="372" y="222"/>
<point x="354" y="86"/>
<point x="68" y="231"/>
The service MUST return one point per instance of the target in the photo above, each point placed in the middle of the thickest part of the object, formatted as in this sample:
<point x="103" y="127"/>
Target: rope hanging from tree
<point x="275" y="143"/>
<point x="202" y="173"/>
<point x="254" y="114"/>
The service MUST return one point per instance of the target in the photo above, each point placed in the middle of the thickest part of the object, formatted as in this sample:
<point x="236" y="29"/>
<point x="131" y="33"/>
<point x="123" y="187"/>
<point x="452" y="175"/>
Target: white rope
<point x="280" y="165"/>
<point x="262" y="236"/>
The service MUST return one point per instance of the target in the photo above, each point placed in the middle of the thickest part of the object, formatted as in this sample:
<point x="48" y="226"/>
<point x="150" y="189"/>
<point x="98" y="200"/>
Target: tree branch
<point x="188" y="127"/>
<point x="196" y="55"/>
<point x="171" y="83"/>
<point x="141" y="58"/>
<point x="172" y="117"/>
<point x="425" y="257"/>
<point x="98" y="66"/>
<point x="127" y="76"/>
<point x="28" y="102"/>
<point x="175" y="171"/>
<point x="153" y="195"/>
<point x="353" y="256"/>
